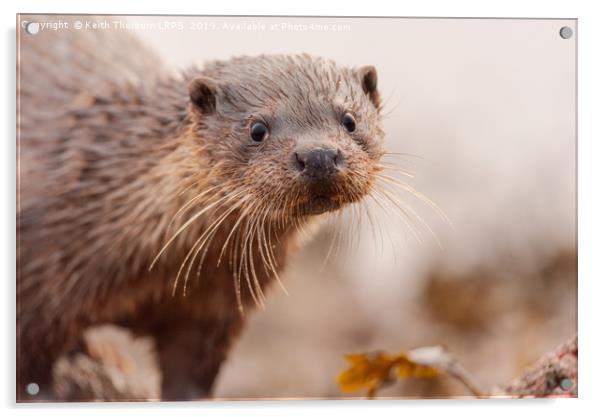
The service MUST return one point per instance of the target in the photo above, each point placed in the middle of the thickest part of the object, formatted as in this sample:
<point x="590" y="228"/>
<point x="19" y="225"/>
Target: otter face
<point x="300" y="134"/>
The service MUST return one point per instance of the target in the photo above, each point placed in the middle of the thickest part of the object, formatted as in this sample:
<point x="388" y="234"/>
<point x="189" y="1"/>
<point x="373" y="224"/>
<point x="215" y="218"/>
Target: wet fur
<point x="106" y="167"/>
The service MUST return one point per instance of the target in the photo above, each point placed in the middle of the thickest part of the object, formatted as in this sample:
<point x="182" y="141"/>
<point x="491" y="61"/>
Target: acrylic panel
<point x="246" y="207"/>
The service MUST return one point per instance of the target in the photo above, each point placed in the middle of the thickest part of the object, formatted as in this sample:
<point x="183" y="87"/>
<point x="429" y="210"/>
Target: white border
<point x="590" y="207"/>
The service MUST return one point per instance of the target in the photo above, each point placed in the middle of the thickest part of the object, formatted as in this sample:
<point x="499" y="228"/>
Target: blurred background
<point x="483" y="112"/>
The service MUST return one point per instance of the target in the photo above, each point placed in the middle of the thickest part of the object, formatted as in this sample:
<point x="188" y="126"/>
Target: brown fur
<point x="105" y="166"/>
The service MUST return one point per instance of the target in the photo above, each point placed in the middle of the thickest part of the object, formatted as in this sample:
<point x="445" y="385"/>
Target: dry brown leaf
<point x="371" y="371"/>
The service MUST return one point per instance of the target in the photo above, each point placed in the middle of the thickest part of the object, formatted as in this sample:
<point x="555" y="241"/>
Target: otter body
<point x="167" y="205"/>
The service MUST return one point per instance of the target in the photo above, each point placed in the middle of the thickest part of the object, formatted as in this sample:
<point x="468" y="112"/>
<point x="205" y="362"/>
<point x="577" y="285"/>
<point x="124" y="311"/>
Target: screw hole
<point x="32" y="388"/>
<point x="32" y="28"/>
<point x="566" y="32"/>
<point x="566" y="384"/>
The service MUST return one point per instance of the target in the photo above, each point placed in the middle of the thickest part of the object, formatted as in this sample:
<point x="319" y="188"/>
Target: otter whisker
<point x="244" y="259"/>
<point x="334" y="219"/>
<point x="385" y="166"/>
<point x="340" y="235"/>
<point x="283" y="213"/>
<point x="242" y="265"/>
<point x="192" y="184"/>
<point x="251" y="260"/>
<point x="366" y="208"/>
<point x="395" y="200"/>
<point x="360" y="222"/>
<point x="385" y="103"/>
<point x="270" y="252"/>
<point x="351" y="227"/>
<point x="201" y="180"/>
<point x="190" y="202"/>
<point x="183" y="264"/>
<point x="380" y="230"/>
<point x="270" y="262"/>
<point x="381" y="201"/>
<point x="402" y="155"/>
<point x="189" y="222"/>
<point x="241" y="217"/>
<point x="262" y="246"/>
<point x="405" y="211"/>
<point x="209" y="234"/>
<point x="339" y="229"/>
<point x="190" y="252"/>
<point x="417" y="194"/>
<point x="300" y="228"/>
<point x="386" y="115"/>
<point x="402" y="209"/>
<point x="235" y="274"/>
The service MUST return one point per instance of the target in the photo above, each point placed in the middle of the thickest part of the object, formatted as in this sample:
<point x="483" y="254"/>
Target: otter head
<point x="299" y="134"/>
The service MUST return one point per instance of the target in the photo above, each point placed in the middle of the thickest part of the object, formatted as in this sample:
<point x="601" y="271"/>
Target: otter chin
<point x="320" y="204"/>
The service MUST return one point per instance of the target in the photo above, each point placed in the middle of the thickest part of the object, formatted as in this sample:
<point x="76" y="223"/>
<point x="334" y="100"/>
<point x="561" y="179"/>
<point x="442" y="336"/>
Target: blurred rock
<point x="113" y="365"/>
<point x="553" y="375"/>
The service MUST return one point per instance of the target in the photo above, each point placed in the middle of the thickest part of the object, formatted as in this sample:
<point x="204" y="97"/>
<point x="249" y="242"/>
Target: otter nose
<point x="318" y="162"/>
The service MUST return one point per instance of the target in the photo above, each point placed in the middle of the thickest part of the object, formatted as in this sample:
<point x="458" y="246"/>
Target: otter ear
<point x="368" y="79"/>
<point x="203" y="91"/>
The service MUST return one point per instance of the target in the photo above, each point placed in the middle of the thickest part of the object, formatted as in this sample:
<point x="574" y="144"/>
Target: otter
<point x="168" y="204"/>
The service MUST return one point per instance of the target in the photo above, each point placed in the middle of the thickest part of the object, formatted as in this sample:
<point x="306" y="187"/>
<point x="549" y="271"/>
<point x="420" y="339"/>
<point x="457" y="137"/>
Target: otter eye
<point x="259" y="132"/>
<point x="348" y="122"/>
